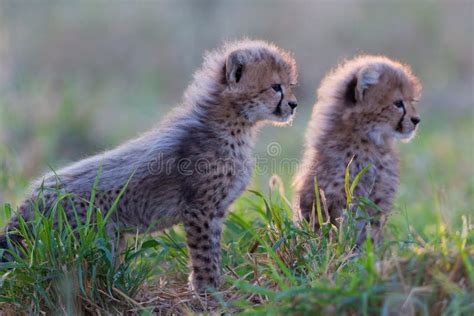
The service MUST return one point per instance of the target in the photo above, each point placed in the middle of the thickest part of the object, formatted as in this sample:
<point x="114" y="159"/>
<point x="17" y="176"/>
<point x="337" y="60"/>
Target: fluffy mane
<point x="335" y="84"/>
<point x="209" y="81"/>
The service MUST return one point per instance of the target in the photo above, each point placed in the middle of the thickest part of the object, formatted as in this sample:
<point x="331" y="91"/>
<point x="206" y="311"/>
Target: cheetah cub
<point x="191" y="168"/>
<point x="363" y="106"/>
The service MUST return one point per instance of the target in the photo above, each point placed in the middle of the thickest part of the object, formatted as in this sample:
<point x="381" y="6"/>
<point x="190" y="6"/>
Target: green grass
<point x="66" y="270"/>
<point x="270" y="266"/>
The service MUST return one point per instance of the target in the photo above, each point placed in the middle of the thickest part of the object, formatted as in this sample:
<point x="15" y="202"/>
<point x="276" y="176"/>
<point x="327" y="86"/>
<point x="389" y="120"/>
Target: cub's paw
<point x="203" y="283"/>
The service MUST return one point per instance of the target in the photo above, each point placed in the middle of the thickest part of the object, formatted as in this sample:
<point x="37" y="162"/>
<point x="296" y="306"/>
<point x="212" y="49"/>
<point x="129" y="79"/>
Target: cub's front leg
<point x="203" y="232"/>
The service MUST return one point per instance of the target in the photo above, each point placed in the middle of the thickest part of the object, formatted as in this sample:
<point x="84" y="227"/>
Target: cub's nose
<point x="292" y="105"/>
<point x="415" y="120"/>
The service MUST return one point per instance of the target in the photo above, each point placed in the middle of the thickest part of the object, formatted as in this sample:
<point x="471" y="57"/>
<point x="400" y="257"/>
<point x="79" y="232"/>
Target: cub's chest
<point x="233" y="172"/>
<point x="239" y="166"/>
<point x="237" y="148"/>
<point x="384" y="172"/>
<point x="384" y="165"/>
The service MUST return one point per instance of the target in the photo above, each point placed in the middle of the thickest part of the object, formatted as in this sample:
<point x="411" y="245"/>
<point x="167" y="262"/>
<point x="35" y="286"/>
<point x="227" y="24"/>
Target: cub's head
<point x="259" y="79"/>
<point x="253" y="79"/>
<point x="378" y="96"/>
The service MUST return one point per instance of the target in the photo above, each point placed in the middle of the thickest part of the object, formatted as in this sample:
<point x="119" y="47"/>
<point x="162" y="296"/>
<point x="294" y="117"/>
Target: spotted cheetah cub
<point x="191" y="168"/>
<point x="363" y="106"/>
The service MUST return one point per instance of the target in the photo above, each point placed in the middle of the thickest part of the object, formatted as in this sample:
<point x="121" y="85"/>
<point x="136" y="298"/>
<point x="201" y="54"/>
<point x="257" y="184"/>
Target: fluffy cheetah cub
<point x="191" y="168"/>
<point x="363" y="106"/>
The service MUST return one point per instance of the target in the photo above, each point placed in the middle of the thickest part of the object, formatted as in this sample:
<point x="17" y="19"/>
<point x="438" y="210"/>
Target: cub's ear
<point x="234" y="66"/>
<point x="366" y="77"/>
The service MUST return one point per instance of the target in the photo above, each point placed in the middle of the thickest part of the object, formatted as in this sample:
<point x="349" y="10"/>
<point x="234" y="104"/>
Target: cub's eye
<point x="276" y="87"/>
<point x="399" y="104"/>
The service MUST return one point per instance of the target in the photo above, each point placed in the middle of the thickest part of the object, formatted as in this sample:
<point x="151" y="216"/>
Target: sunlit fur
<point x="356" y="116"/>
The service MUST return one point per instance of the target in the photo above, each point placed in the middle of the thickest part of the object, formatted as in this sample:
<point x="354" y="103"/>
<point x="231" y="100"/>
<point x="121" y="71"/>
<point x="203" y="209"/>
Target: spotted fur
<point x="195" y="164"/>
<point x="363" y="105"/>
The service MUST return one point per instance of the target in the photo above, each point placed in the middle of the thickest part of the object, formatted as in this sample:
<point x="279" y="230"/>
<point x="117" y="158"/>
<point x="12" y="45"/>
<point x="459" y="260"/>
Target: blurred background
<point x="79" y="78"/>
